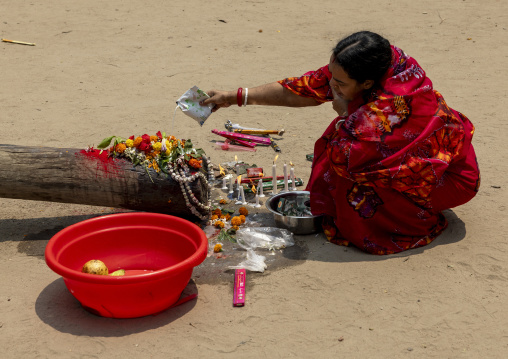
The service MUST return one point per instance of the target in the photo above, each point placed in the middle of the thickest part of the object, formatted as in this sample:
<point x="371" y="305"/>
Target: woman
<point x="395" y="157"/>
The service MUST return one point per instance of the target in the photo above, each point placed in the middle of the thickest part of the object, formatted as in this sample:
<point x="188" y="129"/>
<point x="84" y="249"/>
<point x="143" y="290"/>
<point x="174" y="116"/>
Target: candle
<point x="292" y="175"/>
<point x="224" y="183"/>
<point x="238" y="182"/>
<point x="274" y="179"/>
<point x="257" y="201"/>
<point x="242" y="195"/>
<point x="285" y="178"/>
<point x="231" y="184"/>
<point x="260" y="188"/>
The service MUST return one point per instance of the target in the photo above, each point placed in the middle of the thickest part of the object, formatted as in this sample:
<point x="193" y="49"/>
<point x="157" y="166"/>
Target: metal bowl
<point x="297" y="225"/>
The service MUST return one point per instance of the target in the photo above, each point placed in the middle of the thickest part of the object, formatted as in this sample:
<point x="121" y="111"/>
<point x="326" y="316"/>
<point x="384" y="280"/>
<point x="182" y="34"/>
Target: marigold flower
<point x="217" y="248"/>
<point x="195" y="163"/>
<point x="242" y="217"/>
<point x="236" y="228"/>
<point x="236" y="221"/>
<point x="157" y="146"/>
<point x="154" y="138"/>
<point x="214" y="217"/>
<point x="219" y="224"/>
<point x="137" y="141"/>
<point x="120" y="148"/>
<point x="243" y="211"/>
<point x="223" y="201"/>
<point x="228" y="217"/>
<point x="129" y="143"/>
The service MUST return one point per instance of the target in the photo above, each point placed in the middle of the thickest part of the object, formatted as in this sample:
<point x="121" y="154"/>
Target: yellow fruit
<point x="95" y="266"/>
<point x="119" y="272"/>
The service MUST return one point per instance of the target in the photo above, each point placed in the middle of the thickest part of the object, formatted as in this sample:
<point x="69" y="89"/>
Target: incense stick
<point x="19" y="42"/>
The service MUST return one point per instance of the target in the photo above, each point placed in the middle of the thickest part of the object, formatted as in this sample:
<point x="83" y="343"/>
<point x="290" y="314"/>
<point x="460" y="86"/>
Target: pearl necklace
<point x="180" y="172"/>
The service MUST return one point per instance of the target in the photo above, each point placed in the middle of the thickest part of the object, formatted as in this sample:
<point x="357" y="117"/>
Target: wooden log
<point x="92" y="178"/>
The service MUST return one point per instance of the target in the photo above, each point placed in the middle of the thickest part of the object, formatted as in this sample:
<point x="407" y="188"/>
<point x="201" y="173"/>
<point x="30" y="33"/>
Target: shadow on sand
<point x="56" y="307"/>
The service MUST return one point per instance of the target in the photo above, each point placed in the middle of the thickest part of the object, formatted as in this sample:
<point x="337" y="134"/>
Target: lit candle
<point x="292" y="175"/>
<point x="238" y="182"/>
<point x="242" y="195"/>
<point x="224" y="183"/>
<point x="274" y="176"/>
<point x="286" y="178"/>
<point x="274" y="179"/>
<point x="231" y="184"/>
<point x="260" y="188"/>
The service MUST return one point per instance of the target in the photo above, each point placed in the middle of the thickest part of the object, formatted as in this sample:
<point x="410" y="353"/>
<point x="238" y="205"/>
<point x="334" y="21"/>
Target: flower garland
<point x="176" y="158"/>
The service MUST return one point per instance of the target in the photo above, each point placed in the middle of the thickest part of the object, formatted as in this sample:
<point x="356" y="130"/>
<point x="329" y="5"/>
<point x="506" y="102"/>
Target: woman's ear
<point x="367" y="84"/>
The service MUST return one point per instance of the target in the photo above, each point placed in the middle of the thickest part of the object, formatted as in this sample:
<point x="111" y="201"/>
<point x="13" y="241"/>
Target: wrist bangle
<point x="246" y="94"/>
<point x="239" y="97"/>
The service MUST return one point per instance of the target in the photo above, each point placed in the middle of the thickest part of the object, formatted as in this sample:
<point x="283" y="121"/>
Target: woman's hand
<point x="220" y="99"/>
<point x="339" y="104"/>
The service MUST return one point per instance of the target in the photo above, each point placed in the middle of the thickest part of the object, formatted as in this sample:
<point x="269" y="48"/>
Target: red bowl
<point x="157" y="252"/>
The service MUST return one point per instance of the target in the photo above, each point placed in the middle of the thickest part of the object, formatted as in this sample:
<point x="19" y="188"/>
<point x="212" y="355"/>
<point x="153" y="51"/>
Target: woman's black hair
<point x="364" y="56"/>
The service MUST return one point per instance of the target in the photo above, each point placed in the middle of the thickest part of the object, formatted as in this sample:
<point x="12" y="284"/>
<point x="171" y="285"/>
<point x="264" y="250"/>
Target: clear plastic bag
<point x="264" y="237"/>
<point x="254" y="262"/>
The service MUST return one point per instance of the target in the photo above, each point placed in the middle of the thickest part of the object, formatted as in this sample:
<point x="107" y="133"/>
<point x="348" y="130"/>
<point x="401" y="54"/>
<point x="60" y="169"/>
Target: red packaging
<point x="239" y="288"/>
<point x="255" y="172"/>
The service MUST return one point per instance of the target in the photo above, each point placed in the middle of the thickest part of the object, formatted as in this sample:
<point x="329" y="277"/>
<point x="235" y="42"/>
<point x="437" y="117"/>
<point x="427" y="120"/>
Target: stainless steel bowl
<point x="297" y="225"/>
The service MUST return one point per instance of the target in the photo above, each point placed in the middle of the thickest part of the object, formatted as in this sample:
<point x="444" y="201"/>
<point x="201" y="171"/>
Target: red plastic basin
<point x="157" y="251"/>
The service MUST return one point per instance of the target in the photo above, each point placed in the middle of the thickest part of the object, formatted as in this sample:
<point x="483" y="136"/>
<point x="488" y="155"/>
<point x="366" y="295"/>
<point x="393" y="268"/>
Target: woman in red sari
<point x="394" y="158"/>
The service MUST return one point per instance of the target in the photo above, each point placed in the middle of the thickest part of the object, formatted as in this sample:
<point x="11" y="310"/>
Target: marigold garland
<point x="169" y="155"/>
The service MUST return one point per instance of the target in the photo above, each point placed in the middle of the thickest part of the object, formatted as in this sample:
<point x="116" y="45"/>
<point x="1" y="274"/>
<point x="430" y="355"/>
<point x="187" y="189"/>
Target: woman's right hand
<point x="219" y="99"/>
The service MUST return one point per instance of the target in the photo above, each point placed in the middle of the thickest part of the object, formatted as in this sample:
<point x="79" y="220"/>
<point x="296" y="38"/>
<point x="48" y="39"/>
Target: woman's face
<point x="342" y="85"/>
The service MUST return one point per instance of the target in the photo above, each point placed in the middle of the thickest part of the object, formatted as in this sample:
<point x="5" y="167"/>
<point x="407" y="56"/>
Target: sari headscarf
<point x="385" y="172"/>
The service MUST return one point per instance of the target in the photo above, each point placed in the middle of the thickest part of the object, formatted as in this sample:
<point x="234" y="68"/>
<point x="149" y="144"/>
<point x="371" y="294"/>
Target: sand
<point x="117" y="67"/>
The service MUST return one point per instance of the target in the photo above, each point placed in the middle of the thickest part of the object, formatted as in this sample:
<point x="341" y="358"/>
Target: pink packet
<point x="229" y="147"/>
<point x="239" y="288"/>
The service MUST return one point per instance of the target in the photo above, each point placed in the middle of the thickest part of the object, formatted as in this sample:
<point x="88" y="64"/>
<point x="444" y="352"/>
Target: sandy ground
<point x="117" y="67"/>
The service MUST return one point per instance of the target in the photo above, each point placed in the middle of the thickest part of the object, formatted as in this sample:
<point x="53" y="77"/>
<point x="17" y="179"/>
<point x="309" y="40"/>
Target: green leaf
<point x="188" y="145"/>
<point x="223" y="235"/>
<point x="105" y="142"/>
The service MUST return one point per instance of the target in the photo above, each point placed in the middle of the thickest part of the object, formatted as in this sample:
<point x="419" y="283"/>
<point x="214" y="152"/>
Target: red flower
<point x="131" y="138"/>
<point x="143" y="146"/>
<point x="146" y="138"/>
<point x="159" y="134"/>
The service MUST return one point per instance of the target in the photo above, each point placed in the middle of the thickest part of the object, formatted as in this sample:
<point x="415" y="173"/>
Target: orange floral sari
<point x="383" y="174"/>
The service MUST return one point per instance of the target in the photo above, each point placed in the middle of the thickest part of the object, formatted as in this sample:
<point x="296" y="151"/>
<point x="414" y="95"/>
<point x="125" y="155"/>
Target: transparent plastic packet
<point x="270" y="238"/>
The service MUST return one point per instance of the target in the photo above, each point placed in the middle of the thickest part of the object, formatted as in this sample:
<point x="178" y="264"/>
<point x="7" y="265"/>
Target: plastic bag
<point x="264" y="237"/>
<point x="254" y="262"/>
<point x="189" y="104"/>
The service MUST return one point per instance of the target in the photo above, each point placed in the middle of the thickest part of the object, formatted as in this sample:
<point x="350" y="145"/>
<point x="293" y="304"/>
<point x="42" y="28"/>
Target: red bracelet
<point x="239" y="97"/>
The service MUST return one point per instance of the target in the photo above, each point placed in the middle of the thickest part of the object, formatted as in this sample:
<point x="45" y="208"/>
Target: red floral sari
<point x="383" y="174"/>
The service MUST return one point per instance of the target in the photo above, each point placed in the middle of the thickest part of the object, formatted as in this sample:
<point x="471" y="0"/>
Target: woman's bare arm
<point x="272" y="94"/>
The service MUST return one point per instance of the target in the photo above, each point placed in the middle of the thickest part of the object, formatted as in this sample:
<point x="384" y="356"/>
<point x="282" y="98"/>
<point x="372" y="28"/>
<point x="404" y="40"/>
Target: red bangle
<point x="239" y="97"/>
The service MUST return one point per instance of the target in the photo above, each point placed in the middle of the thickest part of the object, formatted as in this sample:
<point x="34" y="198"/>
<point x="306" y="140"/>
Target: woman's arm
<point x="272" y="94"/>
